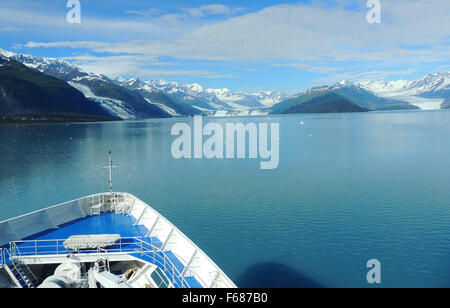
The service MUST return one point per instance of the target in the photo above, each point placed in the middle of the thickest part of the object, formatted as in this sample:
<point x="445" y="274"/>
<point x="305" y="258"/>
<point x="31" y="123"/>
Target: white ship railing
<point x="2" y="257"/>
<point x="126" y="245"/>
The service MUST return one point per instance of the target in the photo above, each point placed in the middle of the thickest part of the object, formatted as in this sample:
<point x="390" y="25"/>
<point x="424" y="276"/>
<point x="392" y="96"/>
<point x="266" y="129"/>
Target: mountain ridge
<point x="344" y="96"/>
<point x="28" y="94"/>
<point x="427" y="92"/>
<point x="136" y="99"/>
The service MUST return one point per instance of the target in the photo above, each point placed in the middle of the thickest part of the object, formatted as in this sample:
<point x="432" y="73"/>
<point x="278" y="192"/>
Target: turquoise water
<point x="349" y="188"/>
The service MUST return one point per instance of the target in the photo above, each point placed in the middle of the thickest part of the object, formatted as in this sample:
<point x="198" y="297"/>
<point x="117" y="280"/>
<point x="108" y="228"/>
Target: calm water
<point x="349" y="188"/>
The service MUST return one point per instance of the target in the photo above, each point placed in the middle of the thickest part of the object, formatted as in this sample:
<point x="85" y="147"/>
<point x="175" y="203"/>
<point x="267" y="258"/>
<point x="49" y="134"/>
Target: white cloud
<point x="300" y="32"/>
<point x="254" y="69"/>
<point x="213" y="9"/>
<point x="9" y="29"/>
<point x="164" y="26"/>
<point x="135" y="65"/>
<point x="363" y="76"/>
<point x="146" y="13"/>
<point x="314" y="38"/>
<point x="78" y="44"/>
<point x="317" y="68"/>
<point x="308" y="33"/>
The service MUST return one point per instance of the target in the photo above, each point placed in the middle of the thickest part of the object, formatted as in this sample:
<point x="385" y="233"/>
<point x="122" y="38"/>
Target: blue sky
<point x="240" y="45"/>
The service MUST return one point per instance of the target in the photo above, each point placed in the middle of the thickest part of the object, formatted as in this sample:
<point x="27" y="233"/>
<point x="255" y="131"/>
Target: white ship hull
<point x="118" y="229"/>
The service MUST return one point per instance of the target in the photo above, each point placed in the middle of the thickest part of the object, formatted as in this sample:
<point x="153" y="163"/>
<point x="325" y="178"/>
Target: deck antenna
<point x="110" y="166"/>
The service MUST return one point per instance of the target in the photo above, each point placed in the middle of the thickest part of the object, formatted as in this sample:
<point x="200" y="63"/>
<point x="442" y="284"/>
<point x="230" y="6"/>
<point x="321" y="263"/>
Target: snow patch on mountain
<point x="415" y="92"/>
<point x="163" y="107"/>
<point x="215" y="99"/>
<point x="6" y="53"/>
<point x="114" y="106"/>
<point x="137" y="84"/>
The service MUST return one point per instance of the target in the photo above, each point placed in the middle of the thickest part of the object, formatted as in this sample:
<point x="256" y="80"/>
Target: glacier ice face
<point x="427" y="92"/>
<point x="426" y="84"/>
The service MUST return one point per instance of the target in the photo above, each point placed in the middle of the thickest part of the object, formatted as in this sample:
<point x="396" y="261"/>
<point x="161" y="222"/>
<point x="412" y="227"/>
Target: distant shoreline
<point x="53" y="119"/>
<point x="12" y="121"/>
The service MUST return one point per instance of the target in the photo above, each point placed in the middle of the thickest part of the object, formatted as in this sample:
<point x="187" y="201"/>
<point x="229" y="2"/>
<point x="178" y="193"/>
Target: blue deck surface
<point x="106" y="223"/>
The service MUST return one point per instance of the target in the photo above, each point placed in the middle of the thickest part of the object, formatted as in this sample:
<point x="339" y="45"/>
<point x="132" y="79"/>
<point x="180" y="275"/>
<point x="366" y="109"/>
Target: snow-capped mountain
<point x="171" y="98"/>
<point x="432" y="84"/>
<point x="54" y="67"/>
<point x="343" y="96"/>
<point x="212" y="100"/>
<point x="29" y="95"/>
<point x="118" y="101"/>
<point x="427" y="92"/>
<point x="159" y="98"/>
<point x="194" y="99"/>
<point x="134" y="98"/>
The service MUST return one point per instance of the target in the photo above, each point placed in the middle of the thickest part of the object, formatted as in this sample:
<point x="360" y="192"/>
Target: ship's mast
<point x="110" y="172"/>
<point x="110" y="166"/>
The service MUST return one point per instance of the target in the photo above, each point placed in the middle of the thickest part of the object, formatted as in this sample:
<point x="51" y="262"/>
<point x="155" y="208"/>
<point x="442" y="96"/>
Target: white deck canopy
<point x="92" y="241"/>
